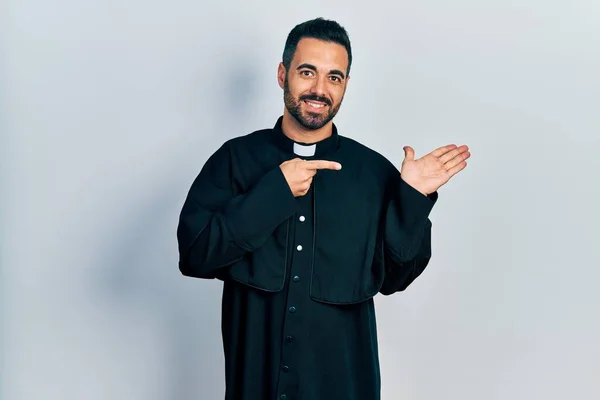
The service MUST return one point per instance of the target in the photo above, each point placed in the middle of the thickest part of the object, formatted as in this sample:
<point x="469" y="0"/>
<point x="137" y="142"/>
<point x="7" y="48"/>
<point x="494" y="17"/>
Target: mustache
<point x="316" y="98"/>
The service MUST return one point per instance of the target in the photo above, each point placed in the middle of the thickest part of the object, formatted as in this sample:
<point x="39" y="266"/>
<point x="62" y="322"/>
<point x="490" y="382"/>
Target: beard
<point x="308" y="119"/>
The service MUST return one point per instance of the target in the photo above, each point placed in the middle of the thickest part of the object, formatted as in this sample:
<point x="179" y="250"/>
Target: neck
<point x="298" y="133"/>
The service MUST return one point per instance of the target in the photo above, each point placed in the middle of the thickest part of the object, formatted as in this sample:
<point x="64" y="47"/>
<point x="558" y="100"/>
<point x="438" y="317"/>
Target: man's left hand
<point x="428" y="173"/>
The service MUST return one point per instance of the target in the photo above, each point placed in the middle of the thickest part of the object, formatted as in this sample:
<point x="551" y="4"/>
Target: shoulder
<point x="220" y="156"/>
<point x="245" y="142"/>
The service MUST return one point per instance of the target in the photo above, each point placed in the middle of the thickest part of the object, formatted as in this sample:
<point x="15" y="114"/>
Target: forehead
<point x="321" y="54"/>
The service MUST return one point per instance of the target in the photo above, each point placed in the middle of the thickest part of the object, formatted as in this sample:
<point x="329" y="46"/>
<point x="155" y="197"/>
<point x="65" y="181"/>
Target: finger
<point x="308" y="174"/>
<point x="457" y="168"/>
<point x="309" y="178"/>
<point x="457" y="160"/>
<point x="322" y="164"/>
<point x="443" y="150"/>
<point x="452" y="154"/>
<point x="306" y="186"/>
<point x="409" y="153"/>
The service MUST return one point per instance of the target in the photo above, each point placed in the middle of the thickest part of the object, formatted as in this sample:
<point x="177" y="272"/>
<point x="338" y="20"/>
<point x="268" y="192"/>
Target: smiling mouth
<point x="315" y="104"/>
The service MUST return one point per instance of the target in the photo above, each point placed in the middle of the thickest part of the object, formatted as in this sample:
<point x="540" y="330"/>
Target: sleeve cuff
<point x="414" y="206"/>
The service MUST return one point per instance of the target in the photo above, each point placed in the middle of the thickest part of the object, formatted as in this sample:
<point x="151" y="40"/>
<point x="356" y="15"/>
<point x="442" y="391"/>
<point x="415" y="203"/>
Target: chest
<point x="352" y="196"/>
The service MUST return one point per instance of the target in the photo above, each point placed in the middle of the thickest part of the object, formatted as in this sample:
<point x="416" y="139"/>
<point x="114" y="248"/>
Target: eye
<point x="335" y="78"/>
<point x="306" y="73"/>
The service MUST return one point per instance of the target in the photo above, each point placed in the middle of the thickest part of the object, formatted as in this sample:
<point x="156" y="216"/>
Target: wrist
<point x="415" y="186"/>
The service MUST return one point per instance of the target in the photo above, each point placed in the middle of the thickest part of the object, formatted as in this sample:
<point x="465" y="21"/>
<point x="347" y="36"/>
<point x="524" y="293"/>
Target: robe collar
<point x="305" y="150"/>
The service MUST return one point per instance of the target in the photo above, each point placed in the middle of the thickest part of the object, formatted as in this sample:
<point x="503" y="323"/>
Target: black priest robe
<point x="300" y="273"/>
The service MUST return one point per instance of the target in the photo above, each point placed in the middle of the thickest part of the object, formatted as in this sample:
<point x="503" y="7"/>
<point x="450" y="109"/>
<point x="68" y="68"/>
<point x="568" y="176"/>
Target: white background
<point x="110" y="109"/>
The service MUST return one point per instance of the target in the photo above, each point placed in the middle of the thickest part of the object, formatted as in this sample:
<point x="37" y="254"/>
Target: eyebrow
<point x="312" y="67"/>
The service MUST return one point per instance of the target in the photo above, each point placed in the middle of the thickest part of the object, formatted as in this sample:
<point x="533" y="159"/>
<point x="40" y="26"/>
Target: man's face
<point x="314" y="86"/>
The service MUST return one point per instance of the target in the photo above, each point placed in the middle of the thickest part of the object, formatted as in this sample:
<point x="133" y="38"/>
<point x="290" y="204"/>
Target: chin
<point x="313" y="123"/>
<point x="314" y="116"/>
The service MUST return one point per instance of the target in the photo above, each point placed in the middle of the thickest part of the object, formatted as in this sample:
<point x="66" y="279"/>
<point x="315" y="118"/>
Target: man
<point x="304" y="227"/>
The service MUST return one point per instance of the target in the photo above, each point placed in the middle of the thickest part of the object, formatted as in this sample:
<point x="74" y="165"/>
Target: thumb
<point x="409" y="153"/>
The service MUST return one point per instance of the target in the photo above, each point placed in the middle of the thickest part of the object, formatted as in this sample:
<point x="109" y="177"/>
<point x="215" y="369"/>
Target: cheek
<point x="298" y="87"/>
<point x="337" y="94"/>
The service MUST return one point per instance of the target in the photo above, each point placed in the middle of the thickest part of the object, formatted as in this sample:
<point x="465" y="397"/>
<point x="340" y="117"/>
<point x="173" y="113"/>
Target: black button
<point x="289" y="339"/>
<point x="292" y="309"/>
<point x="296" y="278"/>
<point x="286" y="368"/>
<point x="283" y="397"/>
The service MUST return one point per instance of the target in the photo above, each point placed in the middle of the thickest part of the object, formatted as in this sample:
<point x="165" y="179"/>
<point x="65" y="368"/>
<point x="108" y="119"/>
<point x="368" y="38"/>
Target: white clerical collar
<point x="305" y="150"/>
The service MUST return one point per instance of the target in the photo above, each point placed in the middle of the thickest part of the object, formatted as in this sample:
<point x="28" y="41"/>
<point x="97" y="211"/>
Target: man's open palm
<point x="428" y="173"/>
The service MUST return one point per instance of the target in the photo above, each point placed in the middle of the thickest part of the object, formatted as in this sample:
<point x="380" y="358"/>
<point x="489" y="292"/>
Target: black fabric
<point x="299" y="323"/>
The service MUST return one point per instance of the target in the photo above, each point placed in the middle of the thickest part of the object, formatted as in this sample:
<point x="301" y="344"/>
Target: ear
<point x="281" y="75"/>
<point x="346" y="83"/>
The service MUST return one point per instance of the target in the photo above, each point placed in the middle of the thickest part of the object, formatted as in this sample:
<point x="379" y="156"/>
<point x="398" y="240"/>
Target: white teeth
<point x="315" y="105"/>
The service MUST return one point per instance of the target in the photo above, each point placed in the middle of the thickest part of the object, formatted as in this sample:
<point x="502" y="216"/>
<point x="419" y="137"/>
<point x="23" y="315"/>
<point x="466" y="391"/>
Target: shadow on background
<point x="142" y="272"/>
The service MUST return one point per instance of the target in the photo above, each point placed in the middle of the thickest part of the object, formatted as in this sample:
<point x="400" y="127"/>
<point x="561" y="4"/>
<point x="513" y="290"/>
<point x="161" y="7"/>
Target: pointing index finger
<point x="323" y="164"/>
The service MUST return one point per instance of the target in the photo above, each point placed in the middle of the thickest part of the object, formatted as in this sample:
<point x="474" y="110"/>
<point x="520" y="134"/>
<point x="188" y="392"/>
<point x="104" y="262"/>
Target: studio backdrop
<point x="109" y="110"/>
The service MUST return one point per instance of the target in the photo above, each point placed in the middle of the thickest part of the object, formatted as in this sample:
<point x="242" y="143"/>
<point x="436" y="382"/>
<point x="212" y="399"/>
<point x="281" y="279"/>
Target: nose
<point x="319" y="86"/>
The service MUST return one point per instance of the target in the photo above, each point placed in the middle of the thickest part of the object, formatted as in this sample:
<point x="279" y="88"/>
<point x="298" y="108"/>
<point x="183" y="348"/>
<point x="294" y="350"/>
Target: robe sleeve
<point x="217" y="227"/>
<point x="407" y="235"/>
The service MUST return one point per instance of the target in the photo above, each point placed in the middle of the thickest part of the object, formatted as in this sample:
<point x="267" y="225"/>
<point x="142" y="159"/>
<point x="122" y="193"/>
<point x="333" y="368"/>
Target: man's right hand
<point x="299" y="173"/>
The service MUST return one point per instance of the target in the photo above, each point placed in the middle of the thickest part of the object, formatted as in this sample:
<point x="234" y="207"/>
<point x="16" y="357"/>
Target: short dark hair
<point x="318" y="28"/>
